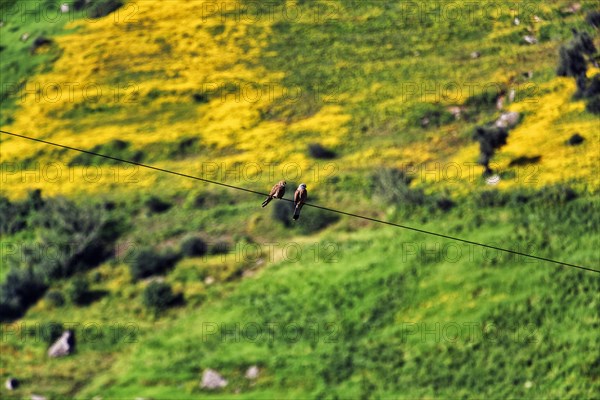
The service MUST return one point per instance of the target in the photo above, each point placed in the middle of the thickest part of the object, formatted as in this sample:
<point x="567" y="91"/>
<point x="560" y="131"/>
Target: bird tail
<point x="267" y="201"/>
<point x="296" y="213"/>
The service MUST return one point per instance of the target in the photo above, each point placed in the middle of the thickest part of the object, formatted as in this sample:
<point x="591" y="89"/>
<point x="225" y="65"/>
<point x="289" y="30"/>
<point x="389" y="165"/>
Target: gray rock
<point x="475" y="54"/>
<point x="508" y="120"/>
<point x="211" y="380"/>
<point x="11" y="383"/>
<point x="530" y="39"/>
<point x="64" y="346"/>
<point x="252" y="372"/>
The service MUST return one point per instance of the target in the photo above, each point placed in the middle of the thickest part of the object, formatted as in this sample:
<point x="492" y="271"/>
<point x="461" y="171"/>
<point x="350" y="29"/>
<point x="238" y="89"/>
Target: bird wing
<point x="280" y="191"/>
<point x="297" y="196"/>
<point x="274" y="190"/>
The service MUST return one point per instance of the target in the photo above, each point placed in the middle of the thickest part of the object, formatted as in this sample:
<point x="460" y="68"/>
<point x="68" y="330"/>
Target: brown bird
<point x="277" y="192"/>
<point x="299" y="198"/>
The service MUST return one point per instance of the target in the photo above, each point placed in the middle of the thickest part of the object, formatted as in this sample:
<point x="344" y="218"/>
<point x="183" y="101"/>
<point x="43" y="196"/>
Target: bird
<point x="299" y="198"/>
<point x="277" y="192"/>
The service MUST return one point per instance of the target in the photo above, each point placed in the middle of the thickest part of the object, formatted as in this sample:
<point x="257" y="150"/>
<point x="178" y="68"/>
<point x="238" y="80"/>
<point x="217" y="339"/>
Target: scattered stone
<point x="64" y="8"/>
<point x="517" y="21"/>
<point x="536" y="19"/>
<point x="64" y="346"/>
<point x="24" y="37"/>
<point x="492" y="180"/>
<point x="511" y="95"/>
<point x="475" y="54"/>
<point x="508" y="120"/>
<point x="12" y="383"/>
<point x="37" y="397"/>
<point x="209" y="280"/>
<point x="211" y="380"/>
<point x="530" y="39"/>
<point x="252" y="372"/>
<point x="575" y="140"/>
<point x="528" y="385"/>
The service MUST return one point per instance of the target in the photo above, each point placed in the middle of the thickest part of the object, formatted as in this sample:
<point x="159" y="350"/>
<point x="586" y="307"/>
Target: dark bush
<point x="575" y="139"/>
<point x="78" y="290"/>
<point x="556" y="194"/>
<point x="115" y="148"/>
<point x="147" y="263"/>
<point x="484" y="101"/>
<point x="101" y="8"/>
<point x="445" y="204"/>
<point x="50" y="331"/>
<point x="55" y="298"/>
<point x="157" y="205"/>
<point x="593" y="18"/>
<point x="200" y="98"/>
<point x="593" y="89"/>
<point x="20" y="289"/>
<point x="593" y="105"/>
<point x="158" y="296"/>
<point x="317" y="151"/>
<point x="219" y="247"/>
<point x="193" y="246"/>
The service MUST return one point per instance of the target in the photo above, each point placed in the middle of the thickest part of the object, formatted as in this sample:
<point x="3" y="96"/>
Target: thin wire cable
<point x="561" y="263"/>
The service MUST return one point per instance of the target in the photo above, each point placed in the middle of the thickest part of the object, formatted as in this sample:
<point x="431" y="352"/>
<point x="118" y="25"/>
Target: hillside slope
<point x="331" y="306"/>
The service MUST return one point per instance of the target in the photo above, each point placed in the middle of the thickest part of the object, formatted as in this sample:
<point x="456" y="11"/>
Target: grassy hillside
<point x="330" y="306"/>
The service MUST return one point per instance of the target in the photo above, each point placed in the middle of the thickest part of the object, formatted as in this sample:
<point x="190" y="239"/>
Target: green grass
<point x="375" y="307"/>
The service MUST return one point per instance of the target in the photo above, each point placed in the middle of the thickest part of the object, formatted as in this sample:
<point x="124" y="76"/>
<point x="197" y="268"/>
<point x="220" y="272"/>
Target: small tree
<point x="158" y="296"/>
<point x="490" y="139"/>
<point x="572" y="60"/>
<point x="78" y="290"/>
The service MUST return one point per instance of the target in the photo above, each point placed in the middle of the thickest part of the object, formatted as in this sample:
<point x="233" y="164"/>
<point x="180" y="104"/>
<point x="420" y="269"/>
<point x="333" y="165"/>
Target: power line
<point x="561" y="263"/>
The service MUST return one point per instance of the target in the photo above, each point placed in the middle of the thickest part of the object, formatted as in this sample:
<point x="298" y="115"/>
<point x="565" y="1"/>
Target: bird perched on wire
<point x="299" y="198"/>
<point x="276" y="193"/>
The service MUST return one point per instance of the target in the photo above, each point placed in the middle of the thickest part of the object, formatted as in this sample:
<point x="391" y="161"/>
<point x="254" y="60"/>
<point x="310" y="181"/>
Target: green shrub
<point x="55" y="298"/>
<point x="393" y="185"/>
<point x="78" y="290"/>
<point x="593" y="105"/>
<point x="316" y="150"/>
<point x="148" y="262"/>
<point x="158" y="296"/>
<point x="50" y="331"/>
<point x="21" y="288"/>
<point x="156" y="205"/>
<point x="193" y="246"/>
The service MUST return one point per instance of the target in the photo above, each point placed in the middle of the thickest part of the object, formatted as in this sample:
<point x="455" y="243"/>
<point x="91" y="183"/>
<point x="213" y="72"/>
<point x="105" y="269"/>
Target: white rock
<point x="252" y="372"/>
<point x="530" y="39"/>
<point x="492" y="180"/>
<point x="11" y="384"/>
<point x="211" y="379"/>
<point x="508" y="120"/>
<point x="528" y="385"/>
<point x="209" y="280"/>
<point x="63" y="346"/>
<point x="64" y="8"/>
